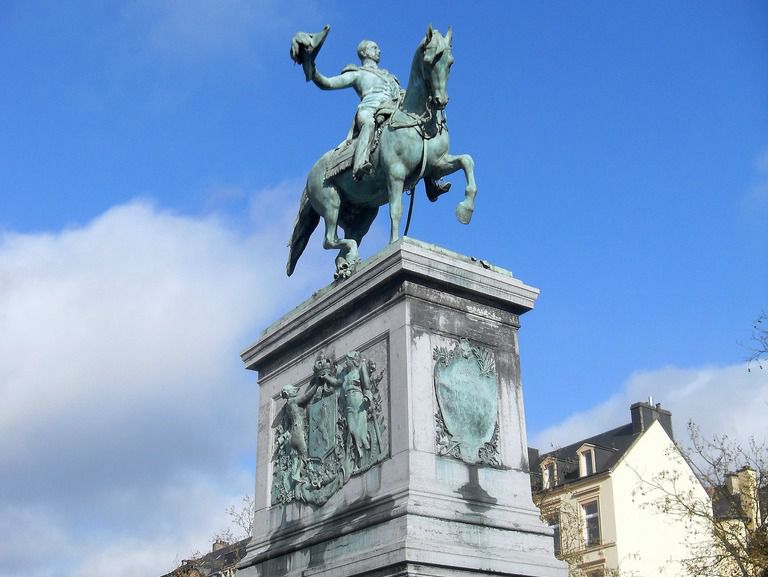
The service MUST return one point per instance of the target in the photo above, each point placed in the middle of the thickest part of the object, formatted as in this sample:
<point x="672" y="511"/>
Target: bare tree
<point x="565" y="517"/>
<point x="727" y="533"/>
<point x="758" y="345"/>
<point x="241" y="518"/>
<point x="229" y="546"/>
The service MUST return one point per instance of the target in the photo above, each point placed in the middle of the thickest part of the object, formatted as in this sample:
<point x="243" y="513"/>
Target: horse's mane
<point x="429" y="48"/>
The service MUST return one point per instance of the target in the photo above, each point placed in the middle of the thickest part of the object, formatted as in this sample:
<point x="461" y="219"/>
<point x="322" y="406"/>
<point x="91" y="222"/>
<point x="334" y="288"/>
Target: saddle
<point x="343" y="155"/>
<point x="341" y="159"/>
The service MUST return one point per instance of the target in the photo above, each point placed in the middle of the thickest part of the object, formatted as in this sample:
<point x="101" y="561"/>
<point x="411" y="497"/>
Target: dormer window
<point x="586" y="461"/>
<point x="549" y="474"/>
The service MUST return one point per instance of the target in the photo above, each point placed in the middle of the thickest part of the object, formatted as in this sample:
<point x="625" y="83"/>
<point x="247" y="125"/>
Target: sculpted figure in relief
<point x="318" y="448"/>
<point x="295" y="435"/>
<point x="353" y="378"/>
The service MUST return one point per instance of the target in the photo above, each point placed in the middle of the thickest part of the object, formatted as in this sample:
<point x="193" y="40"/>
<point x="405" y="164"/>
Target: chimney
<point x="747" y="477"/>
<point x="644" y="414"/>
<point x="750" y="503"/>
<point x="218" y="545"/>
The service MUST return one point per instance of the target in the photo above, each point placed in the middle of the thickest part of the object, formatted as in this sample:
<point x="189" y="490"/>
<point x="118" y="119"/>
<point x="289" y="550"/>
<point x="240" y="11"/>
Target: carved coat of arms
<point x="330" y="430"/>
<point x="467" y="391"/>
<point x="322" y="426"/>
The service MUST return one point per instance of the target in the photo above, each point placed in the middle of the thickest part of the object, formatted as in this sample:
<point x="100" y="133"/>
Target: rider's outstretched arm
<point x="344" y="80"/>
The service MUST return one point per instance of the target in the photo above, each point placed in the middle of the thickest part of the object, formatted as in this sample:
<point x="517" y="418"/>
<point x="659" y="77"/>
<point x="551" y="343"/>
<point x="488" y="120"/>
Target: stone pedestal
<point x="434" y="481"/>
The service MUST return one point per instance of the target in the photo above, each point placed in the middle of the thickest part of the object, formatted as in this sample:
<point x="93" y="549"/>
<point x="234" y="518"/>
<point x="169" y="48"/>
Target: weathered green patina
<point x="331" y="431"/>
<point x="467" y="391"/>
<point x="397" y="139"/>
<point x="323" y="415"/>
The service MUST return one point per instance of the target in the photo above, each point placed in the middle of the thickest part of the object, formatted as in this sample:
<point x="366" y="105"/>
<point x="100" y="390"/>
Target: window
<point x="554" y="523"/>
<point x="587" y="462"/>
<point x="591" y="523"/>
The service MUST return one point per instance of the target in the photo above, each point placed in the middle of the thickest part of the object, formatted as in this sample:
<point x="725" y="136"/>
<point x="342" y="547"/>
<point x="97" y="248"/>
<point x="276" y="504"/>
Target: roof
<point x="213" y="564"/>
<point x="726" y="505"/>
<point x="609" y="447"/>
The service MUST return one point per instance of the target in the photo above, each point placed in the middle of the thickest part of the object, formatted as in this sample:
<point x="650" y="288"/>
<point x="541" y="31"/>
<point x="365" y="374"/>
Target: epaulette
<point x="350" y="68"/>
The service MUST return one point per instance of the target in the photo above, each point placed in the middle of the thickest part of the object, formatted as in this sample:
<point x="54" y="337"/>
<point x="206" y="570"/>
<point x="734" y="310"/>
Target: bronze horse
<point x="413" y="144"/>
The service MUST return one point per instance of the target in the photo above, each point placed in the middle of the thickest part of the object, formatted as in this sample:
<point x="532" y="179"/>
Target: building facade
<point x="739" y="524"/>
<point x="592" y="493"/>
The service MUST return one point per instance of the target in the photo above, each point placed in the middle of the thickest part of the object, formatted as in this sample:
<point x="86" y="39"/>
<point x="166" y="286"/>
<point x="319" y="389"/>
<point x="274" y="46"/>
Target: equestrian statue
<point x="397" y="139"/>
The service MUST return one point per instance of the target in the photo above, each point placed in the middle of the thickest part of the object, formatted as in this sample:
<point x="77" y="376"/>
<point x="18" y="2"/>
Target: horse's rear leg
<point x="361" y="224"/>
<point x="348" y="256"/>
<point x="326" y="201"/>
<point x="449" y="164"/>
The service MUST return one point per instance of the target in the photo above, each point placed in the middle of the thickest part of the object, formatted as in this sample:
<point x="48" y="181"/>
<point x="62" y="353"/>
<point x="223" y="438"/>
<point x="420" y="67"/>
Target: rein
<point x="412" y="191"/>
<point x="419" y="122"/>
<point x="413" y="120"/>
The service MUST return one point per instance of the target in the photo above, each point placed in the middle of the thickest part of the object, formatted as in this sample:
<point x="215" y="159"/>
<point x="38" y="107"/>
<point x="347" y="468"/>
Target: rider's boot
<point x="366" y="168"/>
<point x="362" y="163"/>
<point x="435" y="188"/>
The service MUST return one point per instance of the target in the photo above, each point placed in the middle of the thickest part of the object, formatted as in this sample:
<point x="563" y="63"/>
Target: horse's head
<point x="436" y="64"/>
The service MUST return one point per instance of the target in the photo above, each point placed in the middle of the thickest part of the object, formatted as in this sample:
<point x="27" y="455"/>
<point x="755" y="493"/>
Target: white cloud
<point x="38" y="542"/>
<point x="721" y="400"/>
<point x="124" y="409"/>
<point x="28" y="530"/>
<point x="197" y="510"/>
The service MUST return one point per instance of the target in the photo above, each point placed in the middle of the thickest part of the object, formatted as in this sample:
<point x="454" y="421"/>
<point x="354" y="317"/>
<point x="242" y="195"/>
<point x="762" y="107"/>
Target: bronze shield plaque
<point x="466" y="387"/>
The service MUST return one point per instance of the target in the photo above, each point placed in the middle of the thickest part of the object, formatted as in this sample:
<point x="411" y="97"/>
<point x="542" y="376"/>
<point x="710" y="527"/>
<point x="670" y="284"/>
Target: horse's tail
<point x="305" y="225"/>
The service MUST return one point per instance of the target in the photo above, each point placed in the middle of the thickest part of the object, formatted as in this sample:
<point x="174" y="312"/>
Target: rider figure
<point x="374" y="86"/>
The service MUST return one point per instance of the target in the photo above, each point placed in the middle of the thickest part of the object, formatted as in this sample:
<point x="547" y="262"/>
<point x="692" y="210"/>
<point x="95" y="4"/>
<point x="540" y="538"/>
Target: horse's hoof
<point x="344" y="270"/>
<point x="464" y="213"/>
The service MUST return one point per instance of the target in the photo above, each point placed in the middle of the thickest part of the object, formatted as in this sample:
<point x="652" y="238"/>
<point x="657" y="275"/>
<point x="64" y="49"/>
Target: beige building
<point x="591" y="493"/>
<point x="739" y="525"/>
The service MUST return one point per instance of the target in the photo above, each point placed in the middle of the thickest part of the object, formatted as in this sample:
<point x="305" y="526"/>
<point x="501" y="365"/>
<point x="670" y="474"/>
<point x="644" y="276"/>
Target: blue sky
<point x="151" y="159"/>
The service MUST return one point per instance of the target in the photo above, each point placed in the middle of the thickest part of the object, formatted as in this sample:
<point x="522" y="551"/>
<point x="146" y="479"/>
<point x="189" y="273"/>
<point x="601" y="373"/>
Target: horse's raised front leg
<point x="395" y="186"/>
<point x="449" y="164"/>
